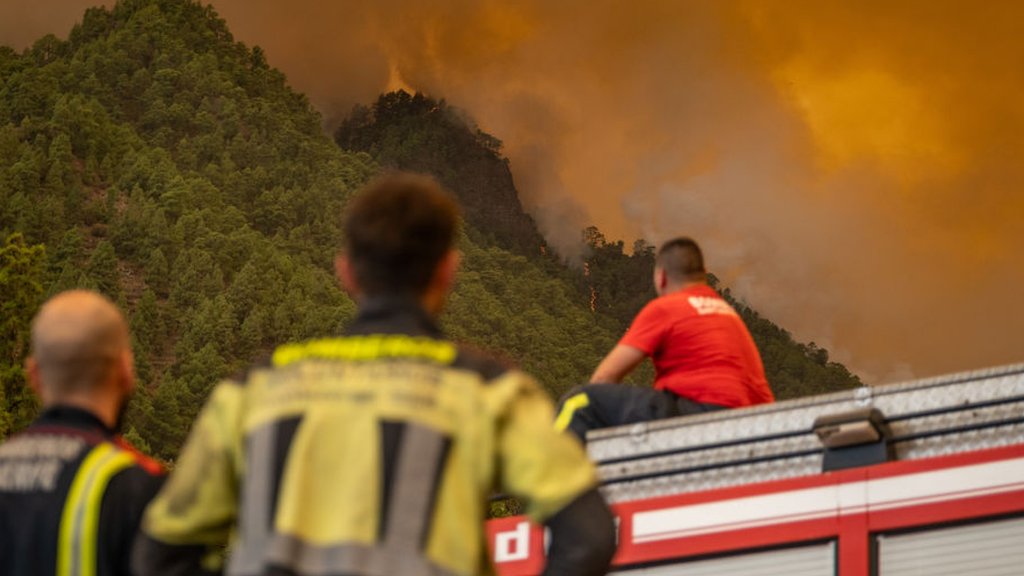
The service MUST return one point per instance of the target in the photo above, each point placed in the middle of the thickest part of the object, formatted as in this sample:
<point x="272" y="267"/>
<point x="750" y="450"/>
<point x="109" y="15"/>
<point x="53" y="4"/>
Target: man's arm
<point x="550" y="471"/>
<point x="757" y="383"/>
<point x="124" y="501"/>
<point x="617" y="364"/>
<point x="186" y="528"/>
<point x="582" y="538"/>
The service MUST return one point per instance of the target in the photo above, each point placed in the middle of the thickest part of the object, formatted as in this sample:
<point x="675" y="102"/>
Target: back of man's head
<point x="682" y="261"/>
<point x="397" y="231"/>
<point x="79" y="339"/>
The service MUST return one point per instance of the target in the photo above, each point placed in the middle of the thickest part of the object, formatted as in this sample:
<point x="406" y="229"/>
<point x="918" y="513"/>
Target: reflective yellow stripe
<point x="569" y="408"/>
<point x="79" y="523"/>
<point x="65" y="544"/>
<point x="91" y="524"/>
<point x="367" y="348"/>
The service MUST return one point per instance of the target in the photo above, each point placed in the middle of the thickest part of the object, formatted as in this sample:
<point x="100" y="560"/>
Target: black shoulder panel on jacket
<point x="484" y="364"/>
<point x="242" y="376"/>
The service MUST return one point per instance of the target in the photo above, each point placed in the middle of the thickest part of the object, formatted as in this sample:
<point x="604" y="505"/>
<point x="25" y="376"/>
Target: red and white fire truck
<point x="918" y="478"/>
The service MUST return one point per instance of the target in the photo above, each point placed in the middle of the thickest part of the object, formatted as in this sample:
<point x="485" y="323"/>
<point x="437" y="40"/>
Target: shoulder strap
<point x="79" y="523"/>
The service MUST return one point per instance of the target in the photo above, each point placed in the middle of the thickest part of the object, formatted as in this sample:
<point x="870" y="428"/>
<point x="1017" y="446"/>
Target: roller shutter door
<point x="817" y="560"/>
<point x="988" y="549"/>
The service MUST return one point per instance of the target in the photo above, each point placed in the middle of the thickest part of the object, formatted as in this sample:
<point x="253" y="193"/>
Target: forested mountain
<point x="420" y="134"/>
<point x="153" y="158"/>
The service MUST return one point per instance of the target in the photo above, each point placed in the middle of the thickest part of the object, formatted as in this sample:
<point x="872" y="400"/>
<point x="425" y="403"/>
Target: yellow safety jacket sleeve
<point x="546" y="468"/>
<point x="191" y="519"/>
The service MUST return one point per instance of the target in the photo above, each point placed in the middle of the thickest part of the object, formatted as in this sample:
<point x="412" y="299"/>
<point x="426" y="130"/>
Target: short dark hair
<point x="397" y="231"/>
<point x="681" y="259"/>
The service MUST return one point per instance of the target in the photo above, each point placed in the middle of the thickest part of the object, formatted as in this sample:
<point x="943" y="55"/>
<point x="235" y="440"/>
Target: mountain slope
<point x="156" y="160"/>
<point x="152" y="157"/>
<point x="420" y="134"/>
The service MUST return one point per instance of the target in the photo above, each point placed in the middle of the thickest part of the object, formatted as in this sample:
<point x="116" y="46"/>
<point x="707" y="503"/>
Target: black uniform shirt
<point x="71" y="497"/>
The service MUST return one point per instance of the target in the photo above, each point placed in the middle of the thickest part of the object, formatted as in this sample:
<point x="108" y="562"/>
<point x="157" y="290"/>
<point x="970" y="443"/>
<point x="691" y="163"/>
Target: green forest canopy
<point x="155" y="159"/>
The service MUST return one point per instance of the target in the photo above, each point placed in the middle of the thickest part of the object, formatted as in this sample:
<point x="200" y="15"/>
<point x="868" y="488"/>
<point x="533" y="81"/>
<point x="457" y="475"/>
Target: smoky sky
<point x="854" y="170"/>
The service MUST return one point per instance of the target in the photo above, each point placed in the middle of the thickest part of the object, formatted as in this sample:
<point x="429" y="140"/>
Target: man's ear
<point x="126" y="371"/>
<point x="660" y="280"/>
<point x="34" y="380"/>
<point x="449" y="268"/>
<point x="436" y="295"/>
<point x="347" y="277"/>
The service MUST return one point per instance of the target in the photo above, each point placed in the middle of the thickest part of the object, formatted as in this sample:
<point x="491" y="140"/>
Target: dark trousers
<point x="594" y="406"/>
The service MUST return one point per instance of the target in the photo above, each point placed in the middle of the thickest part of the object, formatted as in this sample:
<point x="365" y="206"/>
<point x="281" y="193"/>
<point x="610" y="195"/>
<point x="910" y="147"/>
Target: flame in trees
<point x="593" y="292"/>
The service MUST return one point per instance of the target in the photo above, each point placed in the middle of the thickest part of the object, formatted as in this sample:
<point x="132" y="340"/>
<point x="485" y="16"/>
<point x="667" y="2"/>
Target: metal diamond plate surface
<point x="929" y="417"/>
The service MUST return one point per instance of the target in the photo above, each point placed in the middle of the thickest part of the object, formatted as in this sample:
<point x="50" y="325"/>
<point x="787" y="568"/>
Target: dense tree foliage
<point x="420" y="134"/>
<point x="21" y="290"/>
<point x="169" y="167"/>
<point x="151" y="157"/>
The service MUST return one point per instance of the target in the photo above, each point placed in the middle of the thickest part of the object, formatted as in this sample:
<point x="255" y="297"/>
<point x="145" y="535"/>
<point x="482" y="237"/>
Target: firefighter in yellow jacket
<point x="373" y="454"/>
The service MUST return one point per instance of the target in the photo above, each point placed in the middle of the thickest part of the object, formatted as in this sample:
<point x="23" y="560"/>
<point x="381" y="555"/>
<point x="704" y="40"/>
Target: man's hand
<point x="617" y="364"/>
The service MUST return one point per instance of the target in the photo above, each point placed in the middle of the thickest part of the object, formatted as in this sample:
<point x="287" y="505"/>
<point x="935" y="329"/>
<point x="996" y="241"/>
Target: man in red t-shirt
<point x="704" y="357"/>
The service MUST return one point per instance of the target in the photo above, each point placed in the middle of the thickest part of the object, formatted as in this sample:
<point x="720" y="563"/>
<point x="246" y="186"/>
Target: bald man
<point x="72" y="492"/>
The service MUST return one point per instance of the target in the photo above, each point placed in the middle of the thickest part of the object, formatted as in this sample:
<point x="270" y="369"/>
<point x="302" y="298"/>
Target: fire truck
<point x="917" y="478"/>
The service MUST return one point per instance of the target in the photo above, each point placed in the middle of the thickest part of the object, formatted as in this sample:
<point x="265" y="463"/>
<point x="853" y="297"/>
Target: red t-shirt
<point x="701" y="349"/>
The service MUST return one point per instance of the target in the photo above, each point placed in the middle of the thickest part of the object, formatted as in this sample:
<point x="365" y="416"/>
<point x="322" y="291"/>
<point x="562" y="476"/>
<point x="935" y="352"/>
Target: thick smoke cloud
<point x="854" y="170"/>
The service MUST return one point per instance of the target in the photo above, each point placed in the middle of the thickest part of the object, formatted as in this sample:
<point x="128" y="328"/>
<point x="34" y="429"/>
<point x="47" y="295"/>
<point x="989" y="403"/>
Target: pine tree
<point x="21" y="292"/>
<point x="102" y="270"/>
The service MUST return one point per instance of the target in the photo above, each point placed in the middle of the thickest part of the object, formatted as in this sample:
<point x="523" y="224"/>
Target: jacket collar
<point x="394" y="314"/>
<point x="73" y="417"/>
